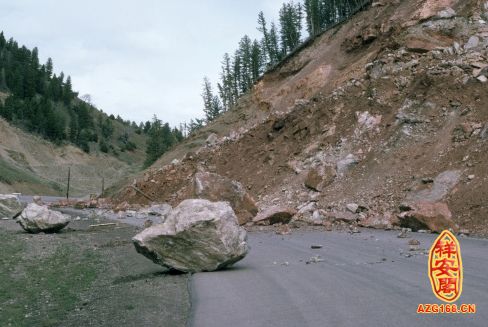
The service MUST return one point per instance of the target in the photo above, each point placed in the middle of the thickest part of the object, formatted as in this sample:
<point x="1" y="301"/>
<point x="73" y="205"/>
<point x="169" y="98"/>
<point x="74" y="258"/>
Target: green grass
<point x="11" y="175"/>
<point x="42" y="292"/>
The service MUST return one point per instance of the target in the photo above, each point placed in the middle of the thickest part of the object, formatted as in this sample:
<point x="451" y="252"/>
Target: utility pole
<point x="69" y="177"/>
<point x="103" y="187"/>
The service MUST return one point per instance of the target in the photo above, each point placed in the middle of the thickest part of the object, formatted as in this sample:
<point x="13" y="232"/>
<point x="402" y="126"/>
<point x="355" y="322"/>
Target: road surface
<point x="365" y="279"/>
<point x="45" y="199"/>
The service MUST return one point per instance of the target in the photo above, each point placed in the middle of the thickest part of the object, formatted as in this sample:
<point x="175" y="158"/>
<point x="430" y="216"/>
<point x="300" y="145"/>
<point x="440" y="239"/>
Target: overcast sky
<point x="136" y="58"/>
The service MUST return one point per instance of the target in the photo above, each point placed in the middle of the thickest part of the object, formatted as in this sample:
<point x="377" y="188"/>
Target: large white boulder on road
<point x="36" y="219"/>
<point x="198" y="235"/>
<point x="9" y="206"/>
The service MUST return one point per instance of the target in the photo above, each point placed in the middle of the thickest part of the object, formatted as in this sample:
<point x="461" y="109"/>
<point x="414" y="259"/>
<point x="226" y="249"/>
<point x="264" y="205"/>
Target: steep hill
<point x="45" y="128"/>
<point x="386" y="108"/>
<point x="32" y="165"/>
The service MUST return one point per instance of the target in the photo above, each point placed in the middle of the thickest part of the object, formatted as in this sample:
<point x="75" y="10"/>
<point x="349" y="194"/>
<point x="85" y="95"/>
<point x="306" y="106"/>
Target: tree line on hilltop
<point x="252" y="58"/>
<point x="44" y="103"/>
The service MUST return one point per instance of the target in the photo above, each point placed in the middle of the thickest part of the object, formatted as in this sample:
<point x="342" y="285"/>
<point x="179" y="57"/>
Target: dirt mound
<point x="372" y="100"/>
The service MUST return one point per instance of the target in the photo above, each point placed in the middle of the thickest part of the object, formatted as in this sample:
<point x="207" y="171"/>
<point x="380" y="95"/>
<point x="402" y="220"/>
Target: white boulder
<point x="9" y="206"/>
<point x="36" y="219"/>
<point x="198" y="235"/>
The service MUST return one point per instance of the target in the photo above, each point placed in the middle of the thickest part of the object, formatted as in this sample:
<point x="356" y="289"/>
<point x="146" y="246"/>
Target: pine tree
<point x="35" y="58"/>
<point x="195" y="125"/>
<point x="3" y="42"/>
<point x="275" y="55"/>
<point x="257" y="60"/>
<point x="212" y="106"/>
<point x="49" y="67"/>
<point x="3" y="81"/>
<point x="107" y="128"/>
<point x="161" y="139"/>
<point x="313" y="16"/>
<point x="178" y="134"/>
<point x="245" y="53"/>
<point x="236" y="68"/>
<point x="226" y="86"/>
<point x="29" y="82"/>
<point x="68" y="91"/>
<point x="74" y="129"/>
<point x="263" y="28"/>
<point x="291" y="26"/>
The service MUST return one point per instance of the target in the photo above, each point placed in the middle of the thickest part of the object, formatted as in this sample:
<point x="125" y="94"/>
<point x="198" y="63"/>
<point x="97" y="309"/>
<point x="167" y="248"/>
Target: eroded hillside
<point x="32" y="165"/>
<point x="385" y="109"/>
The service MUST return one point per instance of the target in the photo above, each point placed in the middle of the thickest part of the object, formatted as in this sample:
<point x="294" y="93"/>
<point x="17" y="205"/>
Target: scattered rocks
<point x="307" y="209"/>
<point x="35" y="219"/>
<point x="404" y="233"/>
<point x="274" y="215"/>
<point x="354" y="230"/>
<point x="435" y="216"/>
<point x="341" y="216"/>
<point x="414" y="245"/>
<point x="214" y="187"/>
<point x="347" y="163"/>
<point x="316" y="246"/>
<point x="198" y="235"/>
<point x="212" y="139"/>
<point x="352" y="207"/>
<point x="380" y="221"/>
<point x="484" y="133"/>
<point x="464" y="232"/>
<point x="9" y="206"/>
<point x="473" y="42"/>
<point x="315" y="259"/>
<point x="441" y="186"/>
<point x="423" y="43"/>
<point x="446" y="13"/>
<point x="37" y="200"/>
<point x="410" y="119"/>
<point x="414" y="242"/>
<point x="368" y="121"/>
<point x="283" y="230"/>
<point x="160" y="210"/>
<point x="319" y="178"/>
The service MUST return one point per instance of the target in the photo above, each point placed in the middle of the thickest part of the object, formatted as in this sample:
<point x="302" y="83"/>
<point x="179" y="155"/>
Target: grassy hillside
<point x="32" y="165"/>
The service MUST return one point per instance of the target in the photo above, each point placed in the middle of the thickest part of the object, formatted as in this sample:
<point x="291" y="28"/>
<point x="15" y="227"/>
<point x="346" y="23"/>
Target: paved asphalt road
<point x="364" y="280"/>
<point x="45" y="199"/>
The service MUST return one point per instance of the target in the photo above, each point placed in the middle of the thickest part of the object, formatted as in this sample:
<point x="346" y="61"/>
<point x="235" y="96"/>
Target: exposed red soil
<point x="306" y="113"/>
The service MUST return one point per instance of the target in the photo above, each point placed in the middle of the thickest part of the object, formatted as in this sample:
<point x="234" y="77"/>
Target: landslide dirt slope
<point x="395" y="90"/>
<point x="31" y="165"/>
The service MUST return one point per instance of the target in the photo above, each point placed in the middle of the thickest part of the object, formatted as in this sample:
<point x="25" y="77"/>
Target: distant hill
<point x="49" y="117"/>
<point x="37" y="100"/>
